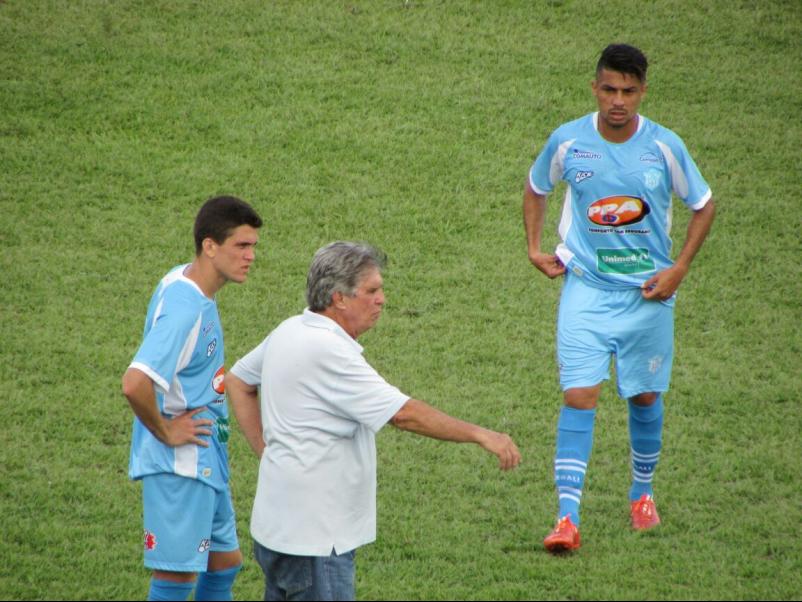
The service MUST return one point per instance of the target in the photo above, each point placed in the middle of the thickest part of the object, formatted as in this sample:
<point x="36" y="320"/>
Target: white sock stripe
<point x="641" y="480"/>
<point x="645" y="475"/>
<point x="565" y="496"/>
<point x="654" y="456"/>
<point x="569" y="461"/>
<point x="572" y="490"/>
<point x="569" y="469"/>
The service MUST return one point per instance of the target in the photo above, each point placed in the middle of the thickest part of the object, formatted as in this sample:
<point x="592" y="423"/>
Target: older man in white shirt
<point x="314" y="430"/>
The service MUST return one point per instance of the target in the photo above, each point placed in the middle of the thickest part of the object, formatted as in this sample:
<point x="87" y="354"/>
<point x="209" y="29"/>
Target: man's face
<point x="363" y="309"/>
<point x="619" y="96"/>
<point x="233" y="258"/>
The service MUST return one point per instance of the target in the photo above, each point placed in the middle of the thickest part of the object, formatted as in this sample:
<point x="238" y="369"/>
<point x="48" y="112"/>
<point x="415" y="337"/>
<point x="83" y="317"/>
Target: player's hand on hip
<point x="550" y="265"/>
<point x="185" y="428"/>
<point x="504" y="448"/>
<point x="664" y="284"/>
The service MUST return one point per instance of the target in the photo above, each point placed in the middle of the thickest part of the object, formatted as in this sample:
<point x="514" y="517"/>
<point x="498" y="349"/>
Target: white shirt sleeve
<point x="361" y="394"/>
<point x="249" y="368"/>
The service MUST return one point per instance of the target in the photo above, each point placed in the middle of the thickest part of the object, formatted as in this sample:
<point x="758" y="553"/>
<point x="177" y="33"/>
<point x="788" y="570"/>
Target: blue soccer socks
<point x="217" y="585"/>
<point x="645" y="434"/>
<point x="169" y="590"/>
<point x="574" y="443"/>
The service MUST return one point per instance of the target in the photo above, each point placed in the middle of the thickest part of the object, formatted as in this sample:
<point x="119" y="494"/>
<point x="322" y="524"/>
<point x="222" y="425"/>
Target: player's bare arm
<point x="534" y="210"/>
<point x="180" y="430"/>
<point x="419" y="417"/>
<point x="664" y="284"/>
<point x="244" y="400"/>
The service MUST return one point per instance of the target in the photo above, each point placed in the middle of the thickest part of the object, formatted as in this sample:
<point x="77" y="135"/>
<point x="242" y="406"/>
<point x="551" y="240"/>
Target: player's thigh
<point x="583" y="340"/>
<point x="224" y="524"/>
<point x="178" y="515"/>
<point x="645" y="350"/>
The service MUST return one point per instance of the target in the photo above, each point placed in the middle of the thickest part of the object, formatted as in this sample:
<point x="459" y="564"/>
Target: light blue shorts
<point x="593" y="324"/>
<point x="185" y="519"/>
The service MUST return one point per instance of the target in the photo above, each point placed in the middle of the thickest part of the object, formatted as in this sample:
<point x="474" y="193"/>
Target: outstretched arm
<point x="664" y="284"/>
<point x="419" y="417"/>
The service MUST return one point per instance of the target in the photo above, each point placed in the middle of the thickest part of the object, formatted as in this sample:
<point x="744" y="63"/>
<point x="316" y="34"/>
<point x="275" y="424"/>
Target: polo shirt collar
<point x="316" y="320"/>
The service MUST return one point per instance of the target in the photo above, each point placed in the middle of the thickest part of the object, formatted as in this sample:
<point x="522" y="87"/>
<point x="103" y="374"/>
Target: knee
<point x="644" y="399"/>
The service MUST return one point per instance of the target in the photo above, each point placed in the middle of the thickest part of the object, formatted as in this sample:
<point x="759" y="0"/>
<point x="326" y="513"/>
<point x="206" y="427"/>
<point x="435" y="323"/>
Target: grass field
<point x="410" y="124"/>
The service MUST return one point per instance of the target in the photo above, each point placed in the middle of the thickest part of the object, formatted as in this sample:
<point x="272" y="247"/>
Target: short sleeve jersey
<point x="616" y="217"/>
<point x="321" y="406"/>
<point x="182" y="352"/>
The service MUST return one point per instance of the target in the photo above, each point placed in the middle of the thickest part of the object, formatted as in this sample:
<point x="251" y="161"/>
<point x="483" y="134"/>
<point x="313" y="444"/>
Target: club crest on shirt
<point x="651" y="178"/>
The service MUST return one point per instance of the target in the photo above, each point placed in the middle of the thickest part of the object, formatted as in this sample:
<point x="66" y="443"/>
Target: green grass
<point x="410" y="124"/>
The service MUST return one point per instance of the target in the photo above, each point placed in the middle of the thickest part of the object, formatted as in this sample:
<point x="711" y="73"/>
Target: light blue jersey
<point x="182" y="352"/>
<point x="616" y="219"/>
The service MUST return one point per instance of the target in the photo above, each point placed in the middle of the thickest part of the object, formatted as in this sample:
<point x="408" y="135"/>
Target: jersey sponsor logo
<point x="650" y="157"/>
<point x="618" y="211"/>
<point x="582" y="175"/>
<point x="208" y="328"/>
<point x="583" y="154"/>
<point x="149" y="541"/>
<point x="624" y="261"/>
<point x="223" y="429"/>
<point x="210" y="349"/>
<point x="219" y="380"/>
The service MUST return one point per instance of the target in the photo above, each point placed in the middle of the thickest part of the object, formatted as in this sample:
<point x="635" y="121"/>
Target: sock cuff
<point x="647" y="413"/>
<point x="575" y="420"/>
<point x="224" y="573"/>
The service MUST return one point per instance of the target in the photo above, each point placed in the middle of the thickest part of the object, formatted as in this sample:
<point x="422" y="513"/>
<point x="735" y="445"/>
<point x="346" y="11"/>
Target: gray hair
<point x="337" y="268"/>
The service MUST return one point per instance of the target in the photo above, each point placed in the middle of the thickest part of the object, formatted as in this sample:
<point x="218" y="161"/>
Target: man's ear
<point x="338" y="300"/>
<point x="209" y="247"/>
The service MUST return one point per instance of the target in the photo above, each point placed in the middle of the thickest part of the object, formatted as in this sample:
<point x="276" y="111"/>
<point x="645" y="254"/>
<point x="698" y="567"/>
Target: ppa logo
<point x="149" y="541"/>
<point x="618" y="211"/>
<point x="218" y="382"/>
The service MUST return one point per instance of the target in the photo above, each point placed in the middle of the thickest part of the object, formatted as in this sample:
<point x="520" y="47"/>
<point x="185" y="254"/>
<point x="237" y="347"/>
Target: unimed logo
<point x="618" y="211"/>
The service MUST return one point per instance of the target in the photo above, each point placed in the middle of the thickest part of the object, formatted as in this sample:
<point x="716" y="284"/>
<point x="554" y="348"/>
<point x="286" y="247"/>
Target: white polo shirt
<point x="322" y="405"/>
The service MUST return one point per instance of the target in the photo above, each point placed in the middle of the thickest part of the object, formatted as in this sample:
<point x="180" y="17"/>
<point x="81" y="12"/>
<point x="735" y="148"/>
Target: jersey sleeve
<point x="686" y="179"/>
<point x="360" y="393"/>
<point x="168" y="345"/>
<point x="547" y="169"/>
<point x="249" y="368"/>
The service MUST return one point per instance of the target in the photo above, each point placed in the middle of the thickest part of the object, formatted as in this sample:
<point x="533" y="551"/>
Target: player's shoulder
<point x="661" y="133"/>
<point x="179" y="295"/>
<point x="574" y="128"/>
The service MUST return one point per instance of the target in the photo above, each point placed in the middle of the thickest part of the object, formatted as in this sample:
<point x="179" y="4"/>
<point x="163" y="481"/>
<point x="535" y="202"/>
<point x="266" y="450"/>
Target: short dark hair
<point x="338" y="268"/>
<point x="219" y="216"/>
<point x="623" y="58"/>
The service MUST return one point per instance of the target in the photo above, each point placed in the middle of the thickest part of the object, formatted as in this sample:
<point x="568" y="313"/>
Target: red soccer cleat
<point x="643" y="513"/>
<point x="564" y="537"/>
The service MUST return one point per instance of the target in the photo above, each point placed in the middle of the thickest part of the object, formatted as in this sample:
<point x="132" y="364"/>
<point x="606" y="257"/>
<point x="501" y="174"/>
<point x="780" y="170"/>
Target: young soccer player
<point x="619" y="280"/>
<point x="175" y="385"/>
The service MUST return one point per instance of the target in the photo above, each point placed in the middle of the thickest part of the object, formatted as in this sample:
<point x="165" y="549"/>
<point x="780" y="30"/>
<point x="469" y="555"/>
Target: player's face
<point x="619" y="96"/>
<point x="364" y="308"/>
<point x="233" y="258"/>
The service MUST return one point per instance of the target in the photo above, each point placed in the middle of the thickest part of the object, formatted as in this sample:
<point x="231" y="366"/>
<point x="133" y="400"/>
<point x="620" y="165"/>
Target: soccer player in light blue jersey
<point x="621" y="171"/>
<point x="175" y="385"/>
